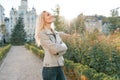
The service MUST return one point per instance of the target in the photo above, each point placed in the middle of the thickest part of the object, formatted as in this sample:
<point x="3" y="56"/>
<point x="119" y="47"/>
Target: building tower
<point x="29" y="19"/>
<point x="1" y="15"/>
<point x="24" y="5"/>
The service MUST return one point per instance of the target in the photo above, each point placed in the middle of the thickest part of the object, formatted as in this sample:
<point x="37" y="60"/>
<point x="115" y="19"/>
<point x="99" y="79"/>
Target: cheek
<point x="52" y="19"/>
<point x="46" y="19"/>
<point x="49" y="19"/>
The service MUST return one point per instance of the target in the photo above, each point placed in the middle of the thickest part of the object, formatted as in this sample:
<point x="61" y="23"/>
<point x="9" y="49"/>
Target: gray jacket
<point x="54" y="48"/>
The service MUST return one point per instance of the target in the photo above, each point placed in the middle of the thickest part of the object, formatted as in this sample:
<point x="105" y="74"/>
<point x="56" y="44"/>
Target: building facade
<point x="7" y="29"/>
<point x="2" y="16"/>
<point x="92" y="23"/>
<point x="29" y="19"/>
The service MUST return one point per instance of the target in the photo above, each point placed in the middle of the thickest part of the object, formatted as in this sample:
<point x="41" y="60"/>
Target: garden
<point x="94" y="56"/>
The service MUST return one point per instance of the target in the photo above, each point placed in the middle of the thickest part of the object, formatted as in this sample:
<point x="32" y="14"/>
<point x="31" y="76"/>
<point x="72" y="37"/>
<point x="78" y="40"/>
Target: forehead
<point x="47" y="13"/>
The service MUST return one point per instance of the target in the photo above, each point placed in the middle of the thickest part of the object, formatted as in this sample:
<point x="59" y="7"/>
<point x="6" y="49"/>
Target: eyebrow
<point x="44" y="11"/>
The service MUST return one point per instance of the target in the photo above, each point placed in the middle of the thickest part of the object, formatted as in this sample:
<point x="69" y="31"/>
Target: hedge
<point x="100" y="53"/>
<point x="4" y="50"/>
<point x="35" y="50"/>
<point x="75" y="71"/>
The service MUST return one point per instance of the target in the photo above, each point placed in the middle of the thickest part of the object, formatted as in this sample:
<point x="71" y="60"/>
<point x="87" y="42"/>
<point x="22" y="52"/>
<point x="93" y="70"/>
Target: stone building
<point x="2" y="16"/>
<point x="92" y="23"/>
<point x="29" y="18"/>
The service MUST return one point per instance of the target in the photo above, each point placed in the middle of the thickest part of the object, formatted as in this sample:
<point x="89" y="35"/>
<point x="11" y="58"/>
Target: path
<point x="20" y="64"/>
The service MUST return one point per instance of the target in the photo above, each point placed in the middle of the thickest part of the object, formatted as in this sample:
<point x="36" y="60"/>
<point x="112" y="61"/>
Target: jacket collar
<point x="48" y="31"/>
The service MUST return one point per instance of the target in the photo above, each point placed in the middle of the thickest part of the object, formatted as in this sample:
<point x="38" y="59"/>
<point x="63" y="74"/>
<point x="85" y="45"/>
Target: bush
<point x="104" y="58"/>
<point x="4" y="50"/>
<point x="96" y="52"/>
<point x="35" y="50"/>
<point x="76" y="70"/>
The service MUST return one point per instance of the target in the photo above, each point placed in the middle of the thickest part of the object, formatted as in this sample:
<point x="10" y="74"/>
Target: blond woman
<point x="53" y="46"/>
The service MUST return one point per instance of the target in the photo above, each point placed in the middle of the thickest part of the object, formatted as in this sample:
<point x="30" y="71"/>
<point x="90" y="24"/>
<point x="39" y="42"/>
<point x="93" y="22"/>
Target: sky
<point x="68" y="8"/>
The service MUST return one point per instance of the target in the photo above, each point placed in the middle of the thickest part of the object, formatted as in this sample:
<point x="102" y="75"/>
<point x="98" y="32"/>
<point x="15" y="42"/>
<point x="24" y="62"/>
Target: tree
<point x="114" y="13"/>
<point x="59" y="22"/>
<point x="114" y="20"/>
<point x="115" y="23"/>
<point x="80" y="26"/>
<point x="18" y="36"/>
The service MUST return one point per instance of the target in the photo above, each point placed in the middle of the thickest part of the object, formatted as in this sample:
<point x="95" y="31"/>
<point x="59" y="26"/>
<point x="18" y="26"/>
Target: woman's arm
<point x="53" y="48"/>
<point x="63" y="34"/>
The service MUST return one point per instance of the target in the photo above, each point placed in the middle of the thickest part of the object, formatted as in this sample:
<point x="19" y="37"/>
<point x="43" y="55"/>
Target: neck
<point x="48" y="26"/>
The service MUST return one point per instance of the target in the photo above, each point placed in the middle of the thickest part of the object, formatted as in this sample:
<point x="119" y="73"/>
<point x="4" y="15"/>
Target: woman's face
<point x="48" y="18"/>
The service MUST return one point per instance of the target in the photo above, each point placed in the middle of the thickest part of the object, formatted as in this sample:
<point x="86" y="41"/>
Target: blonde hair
<point x="40" y="24"/>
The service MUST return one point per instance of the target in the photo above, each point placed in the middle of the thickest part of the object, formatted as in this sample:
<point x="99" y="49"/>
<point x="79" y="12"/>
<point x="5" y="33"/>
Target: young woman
<point x="53" y="46"/>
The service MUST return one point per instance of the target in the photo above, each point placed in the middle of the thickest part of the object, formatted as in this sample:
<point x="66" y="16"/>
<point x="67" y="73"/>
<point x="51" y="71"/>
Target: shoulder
<point x="42" y="31"/>
<point x="46" y="31"/>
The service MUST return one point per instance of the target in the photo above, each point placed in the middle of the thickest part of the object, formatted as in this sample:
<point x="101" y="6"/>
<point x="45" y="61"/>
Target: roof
<point x="24" y="0"/>
<point x="91" y="18"/>
<point x="1" y="6"/>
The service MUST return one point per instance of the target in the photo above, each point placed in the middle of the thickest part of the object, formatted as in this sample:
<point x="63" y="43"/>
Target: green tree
<point x="115" y="23"/>
<point x="77" y="25"/>
<point x="59" y="21"/>
<point x="80" y="26"/>
<point x="114" y="20"/>
<point x="18" y="36"/>
<point x="114" y="12"/>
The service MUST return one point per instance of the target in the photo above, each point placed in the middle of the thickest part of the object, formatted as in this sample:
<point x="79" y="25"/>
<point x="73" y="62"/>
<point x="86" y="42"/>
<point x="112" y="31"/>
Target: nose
<point x="52" y="16"/>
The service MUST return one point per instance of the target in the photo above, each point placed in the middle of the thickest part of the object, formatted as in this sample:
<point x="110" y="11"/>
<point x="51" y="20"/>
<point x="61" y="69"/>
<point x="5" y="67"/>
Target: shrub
<point x="76" y="70"/>
<point x="4" y="50"/>
<point x="98" y="53"/>
<point x="35" y="50"/>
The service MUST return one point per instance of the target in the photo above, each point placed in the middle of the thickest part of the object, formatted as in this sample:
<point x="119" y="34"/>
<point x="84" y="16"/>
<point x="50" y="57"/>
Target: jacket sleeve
<point x="62" y="34"/>
<point x="52" y="47"/>
<point x="62" y="52"/>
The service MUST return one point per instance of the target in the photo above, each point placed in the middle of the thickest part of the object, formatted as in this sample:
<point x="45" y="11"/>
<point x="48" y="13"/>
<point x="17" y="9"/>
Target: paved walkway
<point x="20" y="64"/>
